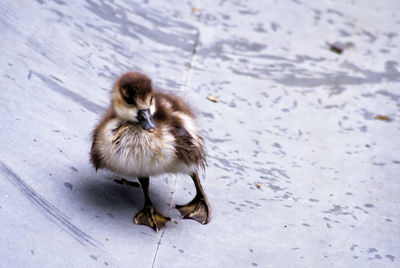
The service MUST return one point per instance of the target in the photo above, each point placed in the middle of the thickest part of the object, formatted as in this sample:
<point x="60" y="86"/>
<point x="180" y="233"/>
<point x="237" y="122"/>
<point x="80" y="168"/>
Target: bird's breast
<point x="129" y="149"/>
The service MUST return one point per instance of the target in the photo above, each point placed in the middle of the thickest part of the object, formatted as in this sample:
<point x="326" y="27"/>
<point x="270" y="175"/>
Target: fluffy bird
<point x="147" y="133"/>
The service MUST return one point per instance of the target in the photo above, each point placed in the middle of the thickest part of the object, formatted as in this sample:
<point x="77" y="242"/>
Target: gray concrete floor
<point x="300" y="174"/>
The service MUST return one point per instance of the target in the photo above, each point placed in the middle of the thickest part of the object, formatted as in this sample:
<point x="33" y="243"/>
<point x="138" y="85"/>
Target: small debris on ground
<point x="367" y="145"/>
<point x="194" y="9"/>
<point x="68" y="185"/>
<point x="382" y="117"/>
<point x="212" y="98"/>
<point x="258" y="185"/>
<point x="336" y="49"/>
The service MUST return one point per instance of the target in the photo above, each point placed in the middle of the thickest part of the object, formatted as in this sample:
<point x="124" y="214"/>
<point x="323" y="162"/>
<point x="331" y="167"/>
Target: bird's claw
<point x="151" y="217"/>
<point x="198" y="209"/>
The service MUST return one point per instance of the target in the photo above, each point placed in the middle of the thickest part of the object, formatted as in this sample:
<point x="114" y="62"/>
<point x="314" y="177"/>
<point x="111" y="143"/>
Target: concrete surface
<point x="300" y="173"/>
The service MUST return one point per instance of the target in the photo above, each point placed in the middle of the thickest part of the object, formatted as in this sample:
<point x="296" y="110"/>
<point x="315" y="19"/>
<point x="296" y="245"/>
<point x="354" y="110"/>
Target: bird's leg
<point x="149" y="215"/>
<point x="198" y="209"/>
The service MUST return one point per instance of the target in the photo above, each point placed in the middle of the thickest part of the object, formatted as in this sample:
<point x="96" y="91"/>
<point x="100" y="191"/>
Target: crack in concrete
<point x="190" y="67"/>
<point x="185" y="84"/>
<point x="163" y="231"/>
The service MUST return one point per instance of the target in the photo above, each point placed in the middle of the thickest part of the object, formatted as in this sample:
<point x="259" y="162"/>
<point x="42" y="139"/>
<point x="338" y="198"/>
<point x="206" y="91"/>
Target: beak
<point x="146" y="120"/>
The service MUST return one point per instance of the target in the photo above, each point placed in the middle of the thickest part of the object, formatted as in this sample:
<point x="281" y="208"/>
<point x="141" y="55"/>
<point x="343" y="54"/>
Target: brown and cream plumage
<point x="147" y="133"/>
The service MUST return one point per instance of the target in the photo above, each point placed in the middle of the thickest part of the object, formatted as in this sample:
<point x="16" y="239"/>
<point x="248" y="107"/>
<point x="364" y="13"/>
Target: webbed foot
<point x="150" y="216"/>
<point x="198" y="209"/>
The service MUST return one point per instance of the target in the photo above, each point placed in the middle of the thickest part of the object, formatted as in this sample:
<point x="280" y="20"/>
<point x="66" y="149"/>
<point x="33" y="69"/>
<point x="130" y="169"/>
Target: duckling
<point x="146" y="133"/>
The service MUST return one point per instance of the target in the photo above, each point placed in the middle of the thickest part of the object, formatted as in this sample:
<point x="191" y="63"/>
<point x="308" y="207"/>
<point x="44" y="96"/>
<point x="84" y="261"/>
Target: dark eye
<point x="128" y="94"/>
<point x="129" y="101"/>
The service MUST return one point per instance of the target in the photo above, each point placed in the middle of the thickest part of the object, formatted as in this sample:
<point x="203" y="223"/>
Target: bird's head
<point x="133" y="99"/>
